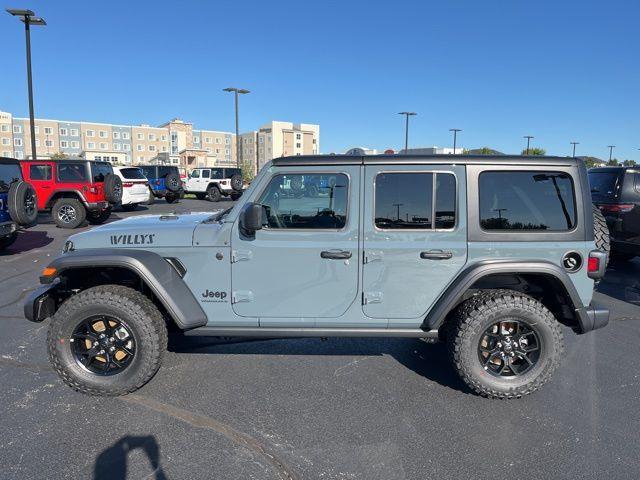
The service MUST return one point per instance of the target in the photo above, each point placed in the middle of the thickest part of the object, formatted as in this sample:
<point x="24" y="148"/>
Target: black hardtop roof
<point x="424" y="159"/>
<point x="612" y="168"/>
<point x="6" y="160"/>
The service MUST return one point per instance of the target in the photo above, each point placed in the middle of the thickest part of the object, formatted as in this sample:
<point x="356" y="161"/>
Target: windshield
<point x="9" y="173"/>
<point x="603" y="183"/>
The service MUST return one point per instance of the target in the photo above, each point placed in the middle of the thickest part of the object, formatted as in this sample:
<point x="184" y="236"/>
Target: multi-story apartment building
<point x="175" y="142"/>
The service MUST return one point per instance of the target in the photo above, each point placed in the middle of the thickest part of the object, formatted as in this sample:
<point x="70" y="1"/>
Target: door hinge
<point x="241" y="296"/>
<point x="371" y="297"/>
<point x="372" y="256"/>
<point x="241" y="255"/>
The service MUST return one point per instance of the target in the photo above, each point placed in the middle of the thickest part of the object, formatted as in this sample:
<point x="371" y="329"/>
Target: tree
<point x="534" y="151"/>
<point x="629" y="163"/>
<point x="613" y="162"/>
<point x="591" y="162"/>
<point x="58" y="156"/>
<point x="482" y="151"/>
<point x="248" y="171"/>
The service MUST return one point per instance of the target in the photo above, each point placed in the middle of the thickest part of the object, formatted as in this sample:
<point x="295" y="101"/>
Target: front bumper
<point x="591" y="318"/>
<point x="41" y="304"/>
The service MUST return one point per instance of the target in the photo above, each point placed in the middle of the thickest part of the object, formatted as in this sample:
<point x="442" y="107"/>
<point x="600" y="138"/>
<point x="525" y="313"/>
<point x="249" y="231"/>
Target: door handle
<point x="436" y="255"/>
<point x="335" y="254"/>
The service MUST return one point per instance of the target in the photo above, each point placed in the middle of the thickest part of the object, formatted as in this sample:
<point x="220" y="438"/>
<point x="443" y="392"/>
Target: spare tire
<point x="23" y="207"/>
<point x="172" y="182"/>
<point x="236" y="182"/>
<point x="112" y="188"/>
<point x="601" y="232"/>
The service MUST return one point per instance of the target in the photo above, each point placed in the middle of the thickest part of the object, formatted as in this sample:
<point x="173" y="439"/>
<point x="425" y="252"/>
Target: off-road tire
<point x="214" y="194"/>
<point x="171" y="198"/>
<point x="98" y="218"/>
<point x="22" y="204"/>
<point x="475" y="315"/>
<point x="201" y="195"/>
<point x="130" y="207"/>
<point x="601" y="232"/>
<point x="76" y="205"/>
<point x="172" y="182"/>
<point x="112" y="188"/>
<point x="236" y="182"/>
<point x="6" y="242"/>
<point x="143" y="319"/>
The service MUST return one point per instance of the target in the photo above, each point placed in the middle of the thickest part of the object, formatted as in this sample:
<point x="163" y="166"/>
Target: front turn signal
<point x="48" y="274"/>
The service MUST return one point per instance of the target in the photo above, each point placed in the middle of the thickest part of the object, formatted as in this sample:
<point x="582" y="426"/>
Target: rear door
<point x="415" y="238"/>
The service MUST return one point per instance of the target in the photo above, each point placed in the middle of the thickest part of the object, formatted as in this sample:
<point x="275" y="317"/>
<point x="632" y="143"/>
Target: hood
<point x="143" y="231"/>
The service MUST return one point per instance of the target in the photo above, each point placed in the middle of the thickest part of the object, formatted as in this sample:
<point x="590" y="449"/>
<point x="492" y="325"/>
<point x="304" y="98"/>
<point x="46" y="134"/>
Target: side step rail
<point x="310" y="332"/>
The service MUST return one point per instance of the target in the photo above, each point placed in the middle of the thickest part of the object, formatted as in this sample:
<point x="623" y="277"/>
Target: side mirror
<point x="251" y="218"/>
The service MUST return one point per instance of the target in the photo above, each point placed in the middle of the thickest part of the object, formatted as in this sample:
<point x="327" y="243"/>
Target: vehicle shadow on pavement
<point x="111" y="464"/>
<point x="27" y="240"/>
<point x="622" y="282"/>
<point x="430" y="361"/>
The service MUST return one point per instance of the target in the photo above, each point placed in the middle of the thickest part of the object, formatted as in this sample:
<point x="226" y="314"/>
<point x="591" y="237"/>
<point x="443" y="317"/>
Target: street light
<point x="528" y="137"/>
<point x="455" y="136"/>
<point x="406" y="130"/>
<point x="574" y="148"/>
<point x="29" y="18"/>
<point x="610" y="147"/>
<point x="237" y="91"/>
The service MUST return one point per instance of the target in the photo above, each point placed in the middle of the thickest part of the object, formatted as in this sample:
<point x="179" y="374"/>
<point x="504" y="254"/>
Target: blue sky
<point x="498" y="69"/>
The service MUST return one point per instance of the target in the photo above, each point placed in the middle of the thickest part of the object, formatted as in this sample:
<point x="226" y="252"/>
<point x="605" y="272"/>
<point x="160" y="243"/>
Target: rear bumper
<point x="7" y="228"/>
<point x="591" y="318"/>
<point x="98" y="205"/>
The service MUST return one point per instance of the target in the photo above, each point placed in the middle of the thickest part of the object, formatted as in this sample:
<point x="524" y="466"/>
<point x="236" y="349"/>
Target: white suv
<point x="135" y="187"/>
<point x="215" y="183"/>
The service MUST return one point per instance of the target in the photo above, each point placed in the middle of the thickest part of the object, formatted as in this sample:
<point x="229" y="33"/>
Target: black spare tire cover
<point x="112" y="188"/>
<point x="23" y="207"/>
<point x="172" y="182"/>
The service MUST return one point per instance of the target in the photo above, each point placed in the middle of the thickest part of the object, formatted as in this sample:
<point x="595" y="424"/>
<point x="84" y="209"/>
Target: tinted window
<point x="217" y="173"/>
<point x="404" y="200"/>
<point x="526" y="201"/>
<point x="230" y="172"/>
<point x="287" y="207"/>
<point x="100" y="170"/>
<point x="195" y="174"/>
<point x="9" y="173"/>
<point x="149" y="172"/>
<point x="132" y="173"/>
<point x="445" y="200"/>
<point x="206" y="173"/>
<point x="164" y="171"/>
<point x="40" y="172"/>
<point x="72" y="172"/>
<point x="603" y="183"/>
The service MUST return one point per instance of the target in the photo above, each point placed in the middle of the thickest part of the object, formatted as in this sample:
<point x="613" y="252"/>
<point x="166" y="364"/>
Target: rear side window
<point x="164" y="171"/>
<point x="217" y="173"/>
<point x="603" y="184"/>
<point x="407" y="201"/>
<point x="230" y="172"/>
<point x="149" y="172"/>
<point x="132" y="173"/>
<point x="9" y="173"/>
<point x="72" y="172"/>
<point x="534" y="200"/>
<point x="99" y="171"/>
<point x="40" y="172"/>
<point x="205" y="173"/>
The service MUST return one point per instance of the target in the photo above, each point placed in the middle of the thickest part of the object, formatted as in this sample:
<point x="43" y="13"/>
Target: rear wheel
<point x="107" y="340"/>
<point x="7" y="241"/>
<point x="112" y="188"/>
<point x="505" y="344"/>
<point x="214" y="194"/>
<point x="98" y="218"/>
<point x="68" y="213"/>
<point x="171" y="198"/>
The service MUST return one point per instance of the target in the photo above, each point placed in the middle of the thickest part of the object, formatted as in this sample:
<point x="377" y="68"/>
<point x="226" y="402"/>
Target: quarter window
<point x="534" y="200"/>
<point x="40" y="172"/>
<point x="317" y="202"/>
<point x="72" y="172"/>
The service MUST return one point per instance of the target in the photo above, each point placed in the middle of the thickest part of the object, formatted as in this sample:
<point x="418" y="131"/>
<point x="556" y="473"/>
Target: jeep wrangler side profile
<point x="74" y="190"/>
<point x="493" y="255"/>
<point x="215" y="183"/>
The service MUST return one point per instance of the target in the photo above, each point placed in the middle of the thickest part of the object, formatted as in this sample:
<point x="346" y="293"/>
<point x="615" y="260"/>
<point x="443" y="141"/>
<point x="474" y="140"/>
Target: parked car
<point x="17" y="202"/>
<point x="135" y="187"/>
<point x="215" y="183"/>
<point x="74" y="190"/>
<point x="164" y="181"/>
<point x="491" y="254"/>
<point x="616" y="191"/>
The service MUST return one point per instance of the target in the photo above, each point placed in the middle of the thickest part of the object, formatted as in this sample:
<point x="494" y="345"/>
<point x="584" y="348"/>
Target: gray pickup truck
<point x="494" y="255"/>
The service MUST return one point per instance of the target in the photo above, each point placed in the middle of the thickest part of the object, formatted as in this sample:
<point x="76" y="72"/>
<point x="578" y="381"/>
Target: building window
<point x="152" y="148"/>
<point x="4" y="127"/>
<point x="6" y="141"/>
<point x="314" y="141"/>
<point x="114" y="159"/>
<point x="298" y="145"/>
<point x="140" y="158"/>
<point x="141" y="136"/>
<point x="227" y="152"/>
<point x="140" y="148"/>
<point x="116" y="135"/>
<point x="226" y="141"/>
<point x="6" y="153"/>
<point x="218" y="141"/>
<point x="19" y="155"/>
<point x="48" y="130"/>
<point x="163" y="138"/>
<point x="91" y="133"/>
<point x="75" y="144"/>
<point x="116" y="146"/>
<point x="125" y="135"/>
<point x="207" y="139"/>
<point x="63" y="132"/>
<point x="164" y="148"/>
<point x="64" y="144"/>
<point x="91" y="145"/>
<point x="217" y="151"/>
<point x="298" y="137"/>
<point x="102" y="134"/>
<point x="74" y="132"/>
<point x="261" y="140"/>
<point x="196" y="139"/>
<point x="98" y="158"/>
<point x="126" y="146"/>
<point x="152" y="137"/>
<point x="36" y="129"/>
<point x="17" y="142"/>
<point x="17" y="129"/>
<point x="37" y="142"/>
<point x="48" y="143"/>
<point x="103" y="146"/>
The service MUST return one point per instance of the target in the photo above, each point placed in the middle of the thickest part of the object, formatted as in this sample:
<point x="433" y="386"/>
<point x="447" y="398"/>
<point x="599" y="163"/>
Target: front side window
<point x="72" y="172"/>
<point x="296" y="201"/>
<point x="195" y="174"/>
<point x="533" y="200"/>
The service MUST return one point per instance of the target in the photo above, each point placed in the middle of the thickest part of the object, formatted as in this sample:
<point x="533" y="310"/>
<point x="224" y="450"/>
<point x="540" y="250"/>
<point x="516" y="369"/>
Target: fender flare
<point x="163" y="279"/>
<point x="56" y="194"/>
<point x="455" y="291"/>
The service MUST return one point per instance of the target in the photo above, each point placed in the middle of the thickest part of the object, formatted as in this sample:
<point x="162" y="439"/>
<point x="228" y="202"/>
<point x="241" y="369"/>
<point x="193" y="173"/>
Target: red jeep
<point x="74" y="190"/>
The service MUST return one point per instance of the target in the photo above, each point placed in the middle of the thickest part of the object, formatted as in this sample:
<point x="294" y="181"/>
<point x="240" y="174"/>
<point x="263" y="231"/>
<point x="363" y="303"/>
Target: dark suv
<point x="616" y="191"/>
<point x="17" y="202"/>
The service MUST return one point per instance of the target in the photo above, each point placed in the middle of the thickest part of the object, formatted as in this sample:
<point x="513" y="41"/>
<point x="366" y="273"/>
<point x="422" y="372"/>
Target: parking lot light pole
<point x="574" y="148"/>
<point x="29" y="18"/>
<point x="237" y="91"/>
<point x="406" y="129"/>
<point x="611" y="147"/>
<point x="455" y="137"/>
<point x="528" y="137"/>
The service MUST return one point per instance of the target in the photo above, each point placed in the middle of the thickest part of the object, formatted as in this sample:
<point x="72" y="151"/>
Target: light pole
<point x="455" y="136"/>
<point x="574" y="148"/>
<point x="406" y="129"/>
<point x="29" y="18"/>
<point x="610" y="147"/>
<point x="237" y="91"/>
<point x="528" y="137"/>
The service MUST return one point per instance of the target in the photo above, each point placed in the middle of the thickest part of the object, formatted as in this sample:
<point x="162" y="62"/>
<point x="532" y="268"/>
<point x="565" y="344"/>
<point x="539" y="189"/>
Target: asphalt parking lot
<point x="305" y="408"/>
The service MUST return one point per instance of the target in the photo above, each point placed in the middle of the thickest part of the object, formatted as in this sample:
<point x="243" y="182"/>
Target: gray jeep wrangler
<point x="493" y="255"/>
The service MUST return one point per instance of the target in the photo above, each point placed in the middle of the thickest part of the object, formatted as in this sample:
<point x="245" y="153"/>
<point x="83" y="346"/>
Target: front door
<point x="415" y="238"/>
<point x="304" y="263"/>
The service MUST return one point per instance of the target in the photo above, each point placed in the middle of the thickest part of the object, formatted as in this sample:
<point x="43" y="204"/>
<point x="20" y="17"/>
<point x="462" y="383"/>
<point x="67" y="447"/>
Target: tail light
<point x="157" y="182"/>
<point x="596" y="264"/>
<point x="617" y="208"/>
<point x="127" y="184"/>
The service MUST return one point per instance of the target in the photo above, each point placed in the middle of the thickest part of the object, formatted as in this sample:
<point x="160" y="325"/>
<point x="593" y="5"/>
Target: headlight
<point x="68" y="247"/>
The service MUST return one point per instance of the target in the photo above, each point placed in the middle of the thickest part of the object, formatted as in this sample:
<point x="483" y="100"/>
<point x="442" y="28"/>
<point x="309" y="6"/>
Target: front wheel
<point x="108" y="340"/>
<point x="68" y="213"/>
<point x="505" y="344"/>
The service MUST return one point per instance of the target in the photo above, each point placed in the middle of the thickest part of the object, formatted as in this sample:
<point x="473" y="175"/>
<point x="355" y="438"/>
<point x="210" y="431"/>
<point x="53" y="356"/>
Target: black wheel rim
<point x="509" y="348"/>
<point x="30" y="204"/>
<point x="103" y="345"/>
<point x="67" y="214"/>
